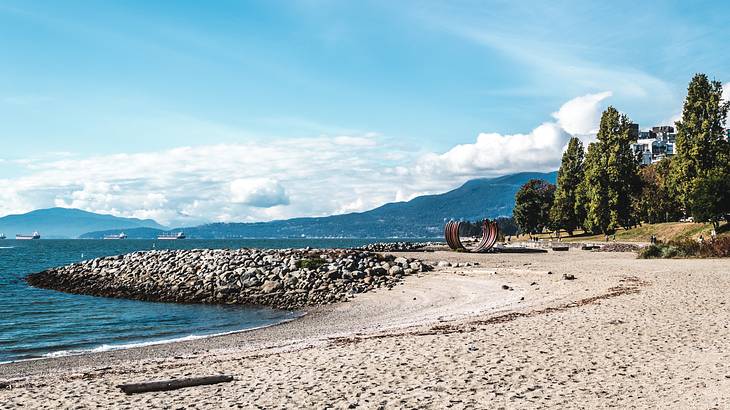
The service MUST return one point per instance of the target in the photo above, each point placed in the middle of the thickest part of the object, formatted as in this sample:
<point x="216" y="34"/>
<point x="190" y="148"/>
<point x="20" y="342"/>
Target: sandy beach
<point x="623" y="333"/>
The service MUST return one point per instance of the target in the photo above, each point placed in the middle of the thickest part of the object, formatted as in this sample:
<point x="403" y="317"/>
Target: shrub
<point x="310" y="263"/>
<point x="670" y="251"/>
<point x="684" y="248"/>
<point x="688" y="248"/>
<point x="719" y="248"/>
<point x="651" y="251"/>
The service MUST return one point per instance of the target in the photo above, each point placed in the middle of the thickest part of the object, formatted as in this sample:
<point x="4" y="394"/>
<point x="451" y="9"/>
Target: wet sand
<point x="625" y="332"/>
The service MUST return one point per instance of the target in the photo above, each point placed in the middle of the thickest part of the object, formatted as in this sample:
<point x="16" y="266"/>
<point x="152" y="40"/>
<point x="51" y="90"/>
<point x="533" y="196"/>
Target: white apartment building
<point x="655" y="144"/>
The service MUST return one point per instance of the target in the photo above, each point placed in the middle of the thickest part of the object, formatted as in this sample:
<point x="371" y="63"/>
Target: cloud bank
<point x="259" y="192"/>
<point x="539" y="150"/>
<point x="281" y="178"/>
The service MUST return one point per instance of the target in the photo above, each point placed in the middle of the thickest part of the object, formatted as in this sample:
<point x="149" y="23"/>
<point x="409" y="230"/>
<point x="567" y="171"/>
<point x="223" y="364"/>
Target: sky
<point x="190" y="112"/>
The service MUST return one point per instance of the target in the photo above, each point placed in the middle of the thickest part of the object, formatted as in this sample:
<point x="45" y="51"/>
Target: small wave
<point x="7" y="247"/>
<point x="110" y="347"/>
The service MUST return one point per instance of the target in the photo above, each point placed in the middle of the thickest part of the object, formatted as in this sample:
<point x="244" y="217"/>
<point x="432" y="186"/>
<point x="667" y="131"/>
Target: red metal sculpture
<point x="490" y="232"/>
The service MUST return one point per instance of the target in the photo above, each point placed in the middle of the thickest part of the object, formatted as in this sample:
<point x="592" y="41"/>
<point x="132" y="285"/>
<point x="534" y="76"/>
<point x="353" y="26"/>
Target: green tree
<point x="701" y="166"/>
<point x="507" y="225"/>
<point x="657" y="202"/>
<point x="611" y="183"/>
<point x="593" y="192"/>
<point x="711" y="196"/>
<point x="563" y="212"/>
<point x="581" y="197"/>
<point x="532" y="206"/>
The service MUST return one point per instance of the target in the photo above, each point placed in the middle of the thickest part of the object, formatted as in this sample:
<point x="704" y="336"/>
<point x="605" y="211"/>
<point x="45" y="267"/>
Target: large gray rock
<point x="270" y="286"/>
<point x="395" y="270"/>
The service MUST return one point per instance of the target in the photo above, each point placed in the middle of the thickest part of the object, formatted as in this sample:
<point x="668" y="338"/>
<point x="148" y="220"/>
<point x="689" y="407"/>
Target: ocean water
<point x="38" y="323"/>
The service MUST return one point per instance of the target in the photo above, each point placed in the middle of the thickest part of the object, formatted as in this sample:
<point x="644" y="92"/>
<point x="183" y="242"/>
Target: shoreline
<point x="291" y="333"/>
<point x="615" y="335"/>
<point x="277" y="266"/>
<point x="141" y="345"/>
<point x="288" y="332"/>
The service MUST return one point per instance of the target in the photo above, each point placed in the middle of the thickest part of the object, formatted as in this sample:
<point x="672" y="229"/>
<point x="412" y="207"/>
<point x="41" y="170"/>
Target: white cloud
<point x="554" y="63"/>
<point x="538" y="150"/>
<point x="556" y="67"/>
<point x="673" y="119"/>
<point x="580" y="115"/>
<point x="254" y="181"/>
<point x="354" y="206"/>
<point x="259" y="192"/>
<point x="355" y="141"/>
<point x="281" y="178"/>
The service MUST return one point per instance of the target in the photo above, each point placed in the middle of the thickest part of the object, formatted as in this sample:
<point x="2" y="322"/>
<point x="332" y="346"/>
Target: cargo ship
<point x="35" y="235"/>
<point x="166" y="237"/>
<point x="120" y="236"/>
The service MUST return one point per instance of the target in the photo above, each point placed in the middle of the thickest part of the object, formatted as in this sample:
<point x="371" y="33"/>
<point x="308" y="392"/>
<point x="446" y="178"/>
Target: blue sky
<point x="410" y="96"/>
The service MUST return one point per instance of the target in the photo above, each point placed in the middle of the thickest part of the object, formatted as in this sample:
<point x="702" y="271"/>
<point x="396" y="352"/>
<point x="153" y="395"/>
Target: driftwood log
<point x="173" y="384"/>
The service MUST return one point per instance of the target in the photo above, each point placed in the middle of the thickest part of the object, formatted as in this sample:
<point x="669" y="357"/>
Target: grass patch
<point x="668" y="231"/>
<point x="310" y="263"/>
<point x="688" y="248"/>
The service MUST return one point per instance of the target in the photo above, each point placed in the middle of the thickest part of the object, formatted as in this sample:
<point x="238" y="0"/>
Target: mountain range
<point x="421" y="217"/>
<point x="68" y="223"/>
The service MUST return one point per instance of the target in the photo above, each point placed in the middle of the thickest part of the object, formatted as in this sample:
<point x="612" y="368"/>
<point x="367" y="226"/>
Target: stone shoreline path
<point x="278" y="278"/>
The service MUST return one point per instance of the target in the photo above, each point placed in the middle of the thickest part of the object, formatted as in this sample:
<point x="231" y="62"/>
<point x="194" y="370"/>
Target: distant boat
<point x="166" y="237"/>
<point x="35" y="235"/>
<point x="2" y="236"/>
<point x="120" y="236"/>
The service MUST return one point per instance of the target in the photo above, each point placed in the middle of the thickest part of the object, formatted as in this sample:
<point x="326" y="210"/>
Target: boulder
<point x="270" y="286"/>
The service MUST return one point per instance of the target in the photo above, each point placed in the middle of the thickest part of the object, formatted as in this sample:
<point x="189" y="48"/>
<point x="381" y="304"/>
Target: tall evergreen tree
<point x="532" y="206"/>
<point x="563" y="211"/>
<point x="593" y="191"/>
<point x="656" y="202"/>
<point x="700" y="174"/>
<point x="611" y="183"/>
<point x="581" y="196"/>
<point x="624" y="180"/>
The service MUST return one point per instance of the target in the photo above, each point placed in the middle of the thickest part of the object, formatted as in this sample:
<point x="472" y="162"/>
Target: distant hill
<point x="67" y="223"/>
<point x="421" y="217"/>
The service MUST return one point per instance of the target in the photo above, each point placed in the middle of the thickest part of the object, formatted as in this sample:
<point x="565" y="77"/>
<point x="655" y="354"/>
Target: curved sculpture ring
<point x="490" y="232"/>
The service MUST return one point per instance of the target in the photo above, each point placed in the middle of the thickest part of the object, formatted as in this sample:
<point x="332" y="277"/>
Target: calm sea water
<point x="41" y="323"/>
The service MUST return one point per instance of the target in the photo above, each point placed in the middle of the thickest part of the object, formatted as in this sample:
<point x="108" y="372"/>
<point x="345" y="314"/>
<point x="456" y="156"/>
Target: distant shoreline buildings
<point x="657" y="143"/>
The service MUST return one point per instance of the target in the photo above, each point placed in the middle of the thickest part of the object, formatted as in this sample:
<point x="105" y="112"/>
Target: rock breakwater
<point x="279" y="278"/>
<point x="399" y="246"/>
